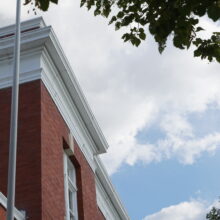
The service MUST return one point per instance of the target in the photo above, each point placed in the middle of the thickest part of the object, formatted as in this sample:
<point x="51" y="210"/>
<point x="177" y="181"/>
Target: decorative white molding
<point x="107" y="198"/>
<point x="19" y="215"/>
<point x="75" y="92"/>
<point x="104" y="203"/>
<point x="69" y="112"/>
<point x="6" y="82"/>
<point x="30" y="69"/>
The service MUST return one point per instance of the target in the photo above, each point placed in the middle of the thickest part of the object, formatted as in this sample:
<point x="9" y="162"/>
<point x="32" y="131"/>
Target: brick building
<point x="59" y="173"/>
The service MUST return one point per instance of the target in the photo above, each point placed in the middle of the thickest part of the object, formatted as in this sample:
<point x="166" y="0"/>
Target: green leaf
<point x="120" y="14"/>
<point x="127" y="20"/>
<point x="132" y="39"/>
<point x="200" y="10"/>
<point x="106" y="11"/>
<point x="82" y="3"/>
<point x="175" y="19"/>
<point x="214" y="12"/>
<point x="27" y="2"/>
<point x="197" y="53"/>
<point x="141" y="29"/>
<point x="44" y="4"/>
<point x="177" y="41"/>
<point x="214" y="38"/>
<point x="117" y="25"/>
<point x="197" y="41"/>
<point x="137" y="42"/>
<point x="97" y="12"/>
<point x="126" y="37"/>
<point x="199" y="29"/>
<point x="113" y="19"/>
<point x="194" y="21"/>
<point x="142" y="35"/>
<point x="54" y="1"/>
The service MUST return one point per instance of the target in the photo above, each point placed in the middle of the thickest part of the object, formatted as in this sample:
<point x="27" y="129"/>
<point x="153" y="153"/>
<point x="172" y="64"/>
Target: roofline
<point x="109" y="188"/>
<point x="25" y="25"/>
<point x="77" y="94"/>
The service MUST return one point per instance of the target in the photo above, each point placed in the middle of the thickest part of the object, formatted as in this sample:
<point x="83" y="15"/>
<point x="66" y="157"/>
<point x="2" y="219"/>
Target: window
<point x="70" y="189"/>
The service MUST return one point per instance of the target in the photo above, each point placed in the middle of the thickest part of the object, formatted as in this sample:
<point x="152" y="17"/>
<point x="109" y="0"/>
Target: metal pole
<point x="14" y="120"/>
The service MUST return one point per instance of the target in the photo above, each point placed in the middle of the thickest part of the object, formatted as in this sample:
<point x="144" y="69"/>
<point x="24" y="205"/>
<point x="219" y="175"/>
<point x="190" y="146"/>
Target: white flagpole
<point x="14" y="119"/>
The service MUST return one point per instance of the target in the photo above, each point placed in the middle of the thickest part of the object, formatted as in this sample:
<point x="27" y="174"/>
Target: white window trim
<point x="19" y="215"/>
<point x="70" y="184"/>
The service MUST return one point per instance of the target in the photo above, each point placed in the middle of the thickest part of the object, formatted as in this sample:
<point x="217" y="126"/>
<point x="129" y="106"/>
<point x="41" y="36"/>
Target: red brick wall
<point x="54" y="130"/>
<point x="39" y="183"/>
<point x="100" y="215"/>
<point x="2" y="213"/>
<point x="28" y="181"/>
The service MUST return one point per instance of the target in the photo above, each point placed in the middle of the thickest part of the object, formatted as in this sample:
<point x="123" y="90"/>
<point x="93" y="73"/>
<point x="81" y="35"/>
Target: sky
<point x="159" y="113"/>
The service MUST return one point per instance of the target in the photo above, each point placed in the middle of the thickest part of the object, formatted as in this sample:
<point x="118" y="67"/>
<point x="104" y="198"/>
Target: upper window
<point x="70" y="189"/>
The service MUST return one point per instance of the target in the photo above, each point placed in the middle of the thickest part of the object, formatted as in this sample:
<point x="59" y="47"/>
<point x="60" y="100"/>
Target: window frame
<point x="70" y="186"/>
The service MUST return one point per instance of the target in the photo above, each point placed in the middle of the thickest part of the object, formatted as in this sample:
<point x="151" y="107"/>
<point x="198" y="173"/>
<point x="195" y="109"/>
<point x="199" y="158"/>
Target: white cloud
<point x="183" y="149"/>
<point x="187" y="151"/>
<point x="189" y="210"/>
<point x="175" y="125"/>
<point x="193" y="210"/>
<point x="129" y="88"/>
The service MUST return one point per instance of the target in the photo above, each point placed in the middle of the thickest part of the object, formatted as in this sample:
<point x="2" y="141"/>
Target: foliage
<point x="177" y="19"/>
<point x="41" y="4"/>
<point x="213" y="214"/>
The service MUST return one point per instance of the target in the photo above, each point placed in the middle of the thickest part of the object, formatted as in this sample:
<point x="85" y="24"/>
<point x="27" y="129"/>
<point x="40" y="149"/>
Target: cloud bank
<point x="189" y="210"/>
<point x="132" y="89"/>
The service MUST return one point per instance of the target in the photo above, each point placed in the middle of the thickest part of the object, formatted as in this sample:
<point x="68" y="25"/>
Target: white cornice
<point x="75" y="92"/>
<point x="104" y="203"/>
<point x="67" y="109"/>
<point x="45" y="37"/>
<point x="30" y="67"/>
<point x="104" y="187"/>
<point x="3" y="202"/>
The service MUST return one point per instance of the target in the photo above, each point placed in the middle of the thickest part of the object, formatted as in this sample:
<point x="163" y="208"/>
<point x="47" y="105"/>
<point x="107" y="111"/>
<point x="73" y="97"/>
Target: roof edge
<point x="109" y="188"/>
<point x="30" y="24"/>
<point x="77" y="95"/>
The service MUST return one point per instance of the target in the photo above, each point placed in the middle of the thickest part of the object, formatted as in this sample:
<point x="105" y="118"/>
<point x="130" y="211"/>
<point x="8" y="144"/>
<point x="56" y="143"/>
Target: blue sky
<point x="160" y="113"/>
<point x="163" y="184"/>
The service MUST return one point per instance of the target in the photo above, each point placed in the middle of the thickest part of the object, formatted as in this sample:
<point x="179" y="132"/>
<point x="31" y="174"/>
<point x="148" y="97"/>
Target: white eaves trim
<point x="71" y="83"/>
<point x="107" y="197"/>
<point x="18" y="215"/>
<point x="104" y="203"/>
<point x="67" y="108"/>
